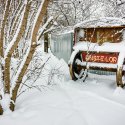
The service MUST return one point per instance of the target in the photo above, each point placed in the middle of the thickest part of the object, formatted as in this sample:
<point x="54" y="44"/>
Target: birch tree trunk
<point x="13" y="45"/>
<point x="17" y="35"/>
<point x="5" y="16"/>
<point x="41" y="12"/>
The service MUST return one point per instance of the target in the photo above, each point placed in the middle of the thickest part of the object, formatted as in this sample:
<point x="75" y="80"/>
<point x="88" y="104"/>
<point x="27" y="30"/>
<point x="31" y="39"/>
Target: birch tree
<point x="16" y="24"/>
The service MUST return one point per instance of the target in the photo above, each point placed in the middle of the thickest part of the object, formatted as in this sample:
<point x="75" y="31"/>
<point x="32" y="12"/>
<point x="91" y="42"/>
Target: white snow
<point x="16" y="34"/>
<point x="81" y="33"/>
<point x="45" y="26"/>
<point x="5" y="103"/>
<point x="37" y="15"/>
<point x="101" y="65"/>
<point x="101" y="22"/>
<point x="62" y="30"/>
<point x="20" y="68"/>
<point x="105" y="47"/>
<point x="97" y="101"/>
<point x="120" y="1"/>
<point x="121" y="59"/>
<point x="25" y="1"/>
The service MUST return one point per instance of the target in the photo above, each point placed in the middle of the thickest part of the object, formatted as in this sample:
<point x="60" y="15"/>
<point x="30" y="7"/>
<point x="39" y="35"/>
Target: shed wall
<point x="61" y="45"/>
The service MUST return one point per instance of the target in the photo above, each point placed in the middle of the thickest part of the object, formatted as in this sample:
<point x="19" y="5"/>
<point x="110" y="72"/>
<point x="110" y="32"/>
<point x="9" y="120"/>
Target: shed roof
<point x="101" y="22"/>
<point x="62" y="30"/>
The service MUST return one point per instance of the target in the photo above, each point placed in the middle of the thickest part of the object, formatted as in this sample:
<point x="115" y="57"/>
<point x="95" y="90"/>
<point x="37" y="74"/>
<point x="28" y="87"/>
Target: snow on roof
<point x="101" y="22"/>
<point x="64" y="30"/>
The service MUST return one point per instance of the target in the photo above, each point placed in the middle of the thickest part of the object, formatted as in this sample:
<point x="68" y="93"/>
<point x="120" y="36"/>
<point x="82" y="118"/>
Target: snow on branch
<point x="120" y="2"/>
<point x="37" y="15"/>
<point x="44" y="27"/>
<point x="16" y="35"/>
<point x="27" y="54"/>
<point x="17" y="13"/>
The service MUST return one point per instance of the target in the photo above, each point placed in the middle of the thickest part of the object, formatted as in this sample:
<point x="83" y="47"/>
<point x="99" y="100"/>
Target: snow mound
<point x="94" y="102"/>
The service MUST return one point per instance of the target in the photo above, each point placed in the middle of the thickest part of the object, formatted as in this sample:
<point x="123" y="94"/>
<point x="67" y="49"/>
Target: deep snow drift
<point x="95" y="102"/>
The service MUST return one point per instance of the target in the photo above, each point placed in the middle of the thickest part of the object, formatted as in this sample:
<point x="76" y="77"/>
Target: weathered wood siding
<point x="101" y="35"/>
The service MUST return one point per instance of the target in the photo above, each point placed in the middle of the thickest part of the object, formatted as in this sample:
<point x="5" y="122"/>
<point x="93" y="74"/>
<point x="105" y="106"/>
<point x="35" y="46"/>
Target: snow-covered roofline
<point x="101" y="22"/>
<point x="62" y="30"/>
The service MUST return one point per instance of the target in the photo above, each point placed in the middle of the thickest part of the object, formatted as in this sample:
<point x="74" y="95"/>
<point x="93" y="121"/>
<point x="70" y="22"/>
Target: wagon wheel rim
<point x="123" y="78"/>
<point x="75" y="71"/>
<point x="120" y="77"/>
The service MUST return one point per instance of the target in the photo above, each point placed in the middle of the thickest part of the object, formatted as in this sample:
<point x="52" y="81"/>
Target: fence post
<point x="46" y="40"/>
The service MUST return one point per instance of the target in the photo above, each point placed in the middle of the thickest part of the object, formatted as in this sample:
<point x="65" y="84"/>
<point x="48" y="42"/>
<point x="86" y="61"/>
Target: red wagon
<point x="99" y="45"/>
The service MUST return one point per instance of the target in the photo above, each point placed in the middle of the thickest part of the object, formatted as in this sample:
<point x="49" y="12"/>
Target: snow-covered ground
<point x="95" y="102"/>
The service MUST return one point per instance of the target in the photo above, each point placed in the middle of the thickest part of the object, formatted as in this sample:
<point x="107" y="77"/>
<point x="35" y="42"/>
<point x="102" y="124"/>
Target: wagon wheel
<point x="120" y="77"/>
<point x="76" y="71"/>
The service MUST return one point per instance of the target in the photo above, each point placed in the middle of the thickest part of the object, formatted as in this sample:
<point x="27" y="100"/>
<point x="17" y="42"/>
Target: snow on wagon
<point x="99" y="45"/>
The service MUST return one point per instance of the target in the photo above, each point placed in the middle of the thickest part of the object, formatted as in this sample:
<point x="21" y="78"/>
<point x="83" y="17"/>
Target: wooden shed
<point x="100" y="30"/>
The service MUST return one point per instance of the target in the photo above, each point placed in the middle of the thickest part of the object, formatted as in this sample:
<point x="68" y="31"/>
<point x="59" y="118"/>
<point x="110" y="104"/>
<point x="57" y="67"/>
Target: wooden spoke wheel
<point x="76" y="71"/>
<point x="120" y="77"/>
